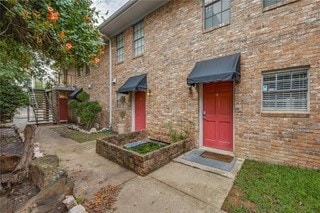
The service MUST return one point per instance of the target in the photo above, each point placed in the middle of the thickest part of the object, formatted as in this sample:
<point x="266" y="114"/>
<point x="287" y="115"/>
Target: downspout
<point x="110" y="83"/>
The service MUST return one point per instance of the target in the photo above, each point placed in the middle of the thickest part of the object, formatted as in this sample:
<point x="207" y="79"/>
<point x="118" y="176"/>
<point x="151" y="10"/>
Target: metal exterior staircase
<point x="42" y="107"/>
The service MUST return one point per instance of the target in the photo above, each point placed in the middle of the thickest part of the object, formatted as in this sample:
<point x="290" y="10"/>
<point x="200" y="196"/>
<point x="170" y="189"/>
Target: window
<point x="87" y="69"/>
<point x="121" y="100"/>
<point x="285" y="90"/>
<point x="138" y="39"/>
<point x="120" y="47"/>
<point x="267" y="3"/>
<point x="79" y="72"/>
<point x="216" y="12"/>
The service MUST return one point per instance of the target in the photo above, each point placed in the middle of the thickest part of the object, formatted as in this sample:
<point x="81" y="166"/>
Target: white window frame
<point x="138" y="39"/>
<point x="120" y="47"/>
<point x="271" y="87"/>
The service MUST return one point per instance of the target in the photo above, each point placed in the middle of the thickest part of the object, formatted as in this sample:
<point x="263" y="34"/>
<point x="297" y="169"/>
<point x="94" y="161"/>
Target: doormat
<point x="195" y="156"/>
<point x="216" y="156"/>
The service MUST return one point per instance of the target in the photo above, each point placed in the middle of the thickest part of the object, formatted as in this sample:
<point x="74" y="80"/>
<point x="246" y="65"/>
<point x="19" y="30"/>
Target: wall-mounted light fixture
<point x="89" y="86"/>
<point x="149" y="92"/>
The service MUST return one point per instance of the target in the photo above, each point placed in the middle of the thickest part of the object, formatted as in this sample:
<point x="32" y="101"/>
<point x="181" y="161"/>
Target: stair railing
<point x="33" y="99"/>
<point x="50" y="106"/>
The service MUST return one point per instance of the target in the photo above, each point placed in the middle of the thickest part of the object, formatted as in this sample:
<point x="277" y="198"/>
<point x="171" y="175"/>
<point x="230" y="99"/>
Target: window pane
<point x="208" y="23"/>
<point x="300" y="84"/>
<point x="87" y="70"/>
<point x="226" y="16"/>
<point x="226" y="4"/>
<point x="299" y="95"/>
<point x="283" y="96"/>
<point x="267" y="3"/>
<point x="269" y="104"/>
<point x="269" y="96"/>
<point x="300" y="105"/>
<point x="271" y="86"/>
<point x="217" y="7"/>
<point x="206" y="2"/>
<point x="283" y="85"/>
<point x="283" y="76"/>
<point x="299" y="75"/>
<point x="208" y="11"/>
<point x="269" y="77"/>
<point x="138" y="39"/>
<point x="216" y="19"/>
<point x="289" y="92"/>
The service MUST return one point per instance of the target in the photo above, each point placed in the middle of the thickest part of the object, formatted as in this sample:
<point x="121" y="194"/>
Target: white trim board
<point x="133" y="110"/>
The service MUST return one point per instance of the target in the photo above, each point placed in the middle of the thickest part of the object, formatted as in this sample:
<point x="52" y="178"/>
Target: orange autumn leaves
<point x="68" y="46"/>
<point x="52" y="16"/>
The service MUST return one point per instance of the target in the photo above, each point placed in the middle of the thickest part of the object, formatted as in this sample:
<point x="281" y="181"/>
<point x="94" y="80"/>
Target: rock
<point x="45" y="171"/>
<point x="11" y="148"/>
<point x="37" y="151"/>
<point x="77" y="209"/>
<point x="93" y="130"/>
<point x="70" y="202"/>
<point x="50" y="198"/>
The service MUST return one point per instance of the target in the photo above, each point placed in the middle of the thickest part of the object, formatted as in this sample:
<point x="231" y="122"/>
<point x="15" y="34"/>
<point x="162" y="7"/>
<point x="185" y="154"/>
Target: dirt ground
<point x="18" y="195"/>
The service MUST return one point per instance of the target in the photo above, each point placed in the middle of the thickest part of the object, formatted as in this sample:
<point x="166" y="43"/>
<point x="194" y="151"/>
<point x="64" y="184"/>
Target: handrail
<point x="35" y="105"/>
<point x="50" y="106"/>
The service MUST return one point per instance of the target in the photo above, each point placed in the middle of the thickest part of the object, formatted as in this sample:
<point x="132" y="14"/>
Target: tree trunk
<point x="21" y="171"/>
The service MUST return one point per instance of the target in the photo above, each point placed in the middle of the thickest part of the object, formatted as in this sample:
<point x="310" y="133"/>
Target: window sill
<point x="138" y="56"/>
<point x="215" y="27"/>
<point x="279" y="4"/>
<point x="285" y="114"/>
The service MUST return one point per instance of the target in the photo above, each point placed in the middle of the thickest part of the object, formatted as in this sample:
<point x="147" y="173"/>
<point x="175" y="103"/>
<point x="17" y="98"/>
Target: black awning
<point x="74" y="94"/>
<point x="134" y="83"/>
<point x="226" y="68"/>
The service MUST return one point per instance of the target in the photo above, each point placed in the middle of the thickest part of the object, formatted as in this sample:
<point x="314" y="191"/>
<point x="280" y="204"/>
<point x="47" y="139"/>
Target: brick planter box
<point x="112" y="149"/>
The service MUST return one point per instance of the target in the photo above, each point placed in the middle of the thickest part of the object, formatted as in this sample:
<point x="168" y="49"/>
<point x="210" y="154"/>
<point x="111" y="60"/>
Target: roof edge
<point x="118" y="12"/>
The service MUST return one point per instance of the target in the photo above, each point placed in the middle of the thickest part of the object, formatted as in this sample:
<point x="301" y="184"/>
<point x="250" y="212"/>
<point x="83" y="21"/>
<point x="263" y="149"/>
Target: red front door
<point x="140" y="111"/>
<point x="63" y="102"/>
<point x="218" y="115"/>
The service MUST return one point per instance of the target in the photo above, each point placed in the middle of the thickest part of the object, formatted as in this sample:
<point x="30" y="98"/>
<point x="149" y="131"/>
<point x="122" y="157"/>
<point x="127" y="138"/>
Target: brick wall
<point x="96" y="84"/>
<point x="283" y="37"/>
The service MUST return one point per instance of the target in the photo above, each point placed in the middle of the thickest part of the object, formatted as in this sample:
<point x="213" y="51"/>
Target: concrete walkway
<point x="172" y="188"/>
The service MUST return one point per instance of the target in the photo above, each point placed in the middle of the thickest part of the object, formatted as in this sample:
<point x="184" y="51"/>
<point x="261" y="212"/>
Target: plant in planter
<point x="122" y="125"/>
<point x="181" y="133"/>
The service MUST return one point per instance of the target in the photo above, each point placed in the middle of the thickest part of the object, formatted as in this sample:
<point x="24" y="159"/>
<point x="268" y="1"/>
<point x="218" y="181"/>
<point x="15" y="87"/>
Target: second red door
<point x="140" y="111"/>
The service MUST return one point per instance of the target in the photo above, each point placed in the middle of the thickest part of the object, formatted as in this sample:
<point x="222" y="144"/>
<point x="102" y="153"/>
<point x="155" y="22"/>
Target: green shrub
<point x="85" y="109"/>
<point x="11" y="98"/>
<point x="83" y="96"/>
<point x="181" y="133"/>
